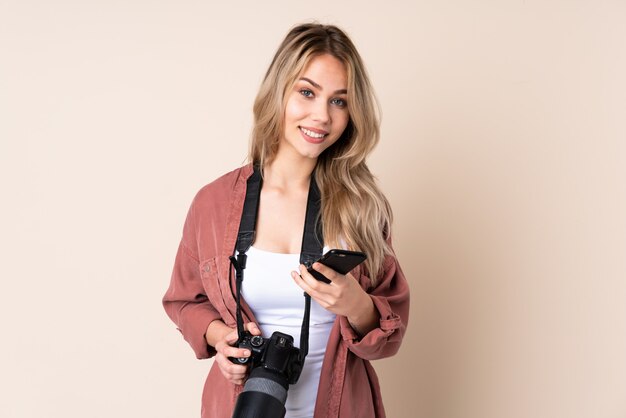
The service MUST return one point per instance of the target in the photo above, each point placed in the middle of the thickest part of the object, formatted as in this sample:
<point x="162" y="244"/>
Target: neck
<point x="287" y="173"/>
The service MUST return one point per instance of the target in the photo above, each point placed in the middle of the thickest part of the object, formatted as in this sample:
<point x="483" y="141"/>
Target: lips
<point x="312" y="135"/>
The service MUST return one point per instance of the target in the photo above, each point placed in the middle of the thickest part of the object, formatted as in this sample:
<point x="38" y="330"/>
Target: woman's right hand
<point x="234" y="373"/>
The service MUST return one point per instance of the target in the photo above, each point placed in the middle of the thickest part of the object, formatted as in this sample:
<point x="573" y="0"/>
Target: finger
<point x="304" y="279"/>
<point x="239" y="352"/>
<point x="300" y="282"/>
<point x="329" y="273"/>
<point x="252" y="328"/>
<point x="313" y="287"/>
<point x="318" y="291"/>
<point x="230" y="368"/>
<point x="230" y="351"/>
<point x="239" y="379"/>
<point x="233" y="372"/>
<point x="307" y="275"/>
<point x="312" y="280"/>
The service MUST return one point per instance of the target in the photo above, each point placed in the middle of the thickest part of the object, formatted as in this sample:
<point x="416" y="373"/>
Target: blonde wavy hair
<point x="354" y="210"/>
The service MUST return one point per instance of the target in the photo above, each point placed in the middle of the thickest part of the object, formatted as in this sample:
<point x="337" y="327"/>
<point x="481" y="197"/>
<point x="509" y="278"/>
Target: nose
<point x="320" y="112"/>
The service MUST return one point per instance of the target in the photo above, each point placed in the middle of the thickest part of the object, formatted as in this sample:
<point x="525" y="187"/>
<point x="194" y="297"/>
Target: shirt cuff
<point x="374" y="344"/>
<point x="197" y="320"/>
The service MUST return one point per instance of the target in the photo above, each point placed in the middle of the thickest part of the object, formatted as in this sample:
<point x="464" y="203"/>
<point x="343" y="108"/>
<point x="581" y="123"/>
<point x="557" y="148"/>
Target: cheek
<point x="341" y="119"/>
<point x="293" y="110"/>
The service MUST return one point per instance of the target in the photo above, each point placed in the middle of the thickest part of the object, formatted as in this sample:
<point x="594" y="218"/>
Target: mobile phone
<point x="342" y="261"/>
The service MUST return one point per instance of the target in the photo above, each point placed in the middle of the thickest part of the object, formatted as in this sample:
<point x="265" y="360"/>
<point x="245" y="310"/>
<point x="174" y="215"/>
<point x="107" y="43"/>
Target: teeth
<point x="312" y="134"/>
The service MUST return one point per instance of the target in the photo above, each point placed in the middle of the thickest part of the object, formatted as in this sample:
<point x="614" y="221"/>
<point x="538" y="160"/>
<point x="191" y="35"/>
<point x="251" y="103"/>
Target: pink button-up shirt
<point x="200" y="292"/>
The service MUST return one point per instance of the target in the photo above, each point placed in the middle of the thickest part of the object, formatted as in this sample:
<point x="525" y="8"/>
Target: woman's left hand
<point x="342" y="296"/>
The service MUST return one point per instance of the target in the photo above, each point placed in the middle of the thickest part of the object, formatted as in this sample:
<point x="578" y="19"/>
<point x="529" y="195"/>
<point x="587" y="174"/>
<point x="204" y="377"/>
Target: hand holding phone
<point x="342" y="261"/>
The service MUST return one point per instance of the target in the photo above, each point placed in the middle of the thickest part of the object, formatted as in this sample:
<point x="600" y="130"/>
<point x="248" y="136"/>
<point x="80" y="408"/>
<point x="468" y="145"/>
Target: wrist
<point x="364" y="318"/>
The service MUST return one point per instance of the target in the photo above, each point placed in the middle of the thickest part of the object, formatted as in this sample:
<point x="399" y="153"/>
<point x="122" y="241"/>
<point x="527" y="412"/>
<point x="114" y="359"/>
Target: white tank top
<point x="278" y="305"/>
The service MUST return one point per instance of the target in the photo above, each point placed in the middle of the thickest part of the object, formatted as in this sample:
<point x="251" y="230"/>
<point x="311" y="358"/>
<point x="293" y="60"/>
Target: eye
<point x="338" y="102"/>
<point x="306" y="92"/>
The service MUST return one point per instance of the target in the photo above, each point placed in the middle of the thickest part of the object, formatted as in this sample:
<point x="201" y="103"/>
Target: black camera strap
<point x="311" y="245"/>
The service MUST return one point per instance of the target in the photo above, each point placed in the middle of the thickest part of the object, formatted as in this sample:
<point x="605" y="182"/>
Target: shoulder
<point x="223" y="189"/>
<point x="211" y="208"/>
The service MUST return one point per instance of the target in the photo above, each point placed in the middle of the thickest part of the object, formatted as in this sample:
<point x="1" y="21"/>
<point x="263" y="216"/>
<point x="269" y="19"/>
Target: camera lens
<point x="264" y="395"/>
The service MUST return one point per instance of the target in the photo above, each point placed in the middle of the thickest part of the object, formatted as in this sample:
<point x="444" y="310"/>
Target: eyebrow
<point x="317" y="86"/>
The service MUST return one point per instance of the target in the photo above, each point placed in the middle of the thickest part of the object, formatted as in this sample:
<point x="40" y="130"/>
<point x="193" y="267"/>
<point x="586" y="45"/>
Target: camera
<point x="274" y="364"/>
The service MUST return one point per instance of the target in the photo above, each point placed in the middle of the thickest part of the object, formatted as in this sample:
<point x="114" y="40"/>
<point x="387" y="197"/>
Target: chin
<point x="311" y="155"/>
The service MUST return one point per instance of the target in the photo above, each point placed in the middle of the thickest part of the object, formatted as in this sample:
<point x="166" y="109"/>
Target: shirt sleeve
<point x="391" y="300"/>
<point x="185" y="301"/>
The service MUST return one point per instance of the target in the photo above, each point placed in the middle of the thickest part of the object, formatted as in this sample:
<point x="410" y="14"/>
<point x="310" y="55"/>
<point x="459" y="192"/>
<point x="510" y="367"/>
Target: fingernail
<point x="246" y="353"/>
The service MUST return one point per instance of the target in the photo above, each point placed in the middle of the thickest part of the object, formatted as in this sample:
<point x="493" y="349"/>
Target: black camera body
<point x="276" y="354"/>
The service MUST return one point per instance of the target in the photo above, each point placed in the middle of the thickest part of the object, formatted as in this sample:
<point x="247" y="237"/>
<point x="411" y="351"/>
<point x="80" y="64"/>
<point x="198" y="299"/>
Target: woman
<point x="314" y="116"/>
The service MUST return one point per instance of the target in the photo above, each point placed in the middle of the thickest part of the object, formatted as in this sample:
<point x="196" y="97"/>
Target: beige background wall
<point x="503" y="155"/>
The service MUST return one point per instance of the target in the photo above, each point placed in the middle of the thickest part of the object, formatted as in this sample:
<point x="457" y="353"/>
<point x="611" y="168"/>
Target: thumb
<point x="253" y="328"/>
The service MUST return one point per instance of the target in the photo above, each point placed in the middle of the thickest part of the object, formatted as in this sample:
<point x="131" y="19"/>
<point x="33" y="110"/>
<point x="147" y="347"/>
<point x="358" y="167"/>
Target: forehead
<point x="327" y="71"/>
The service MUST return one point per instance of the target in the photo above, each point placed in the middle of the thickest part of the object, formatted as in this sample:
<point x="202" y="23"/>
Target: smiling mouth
<point x="312" y="134"/>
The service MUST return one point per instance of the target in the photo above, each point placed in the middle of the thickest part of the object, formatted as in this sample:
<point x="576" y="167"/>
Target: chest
<point x="280" y="221"/>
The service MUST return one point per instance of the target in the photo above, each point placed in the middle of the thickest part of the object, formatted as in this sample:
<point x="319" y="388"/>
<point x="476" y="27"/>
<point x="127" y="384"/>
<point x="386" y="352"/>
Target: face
<point x="316" y="113"/>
